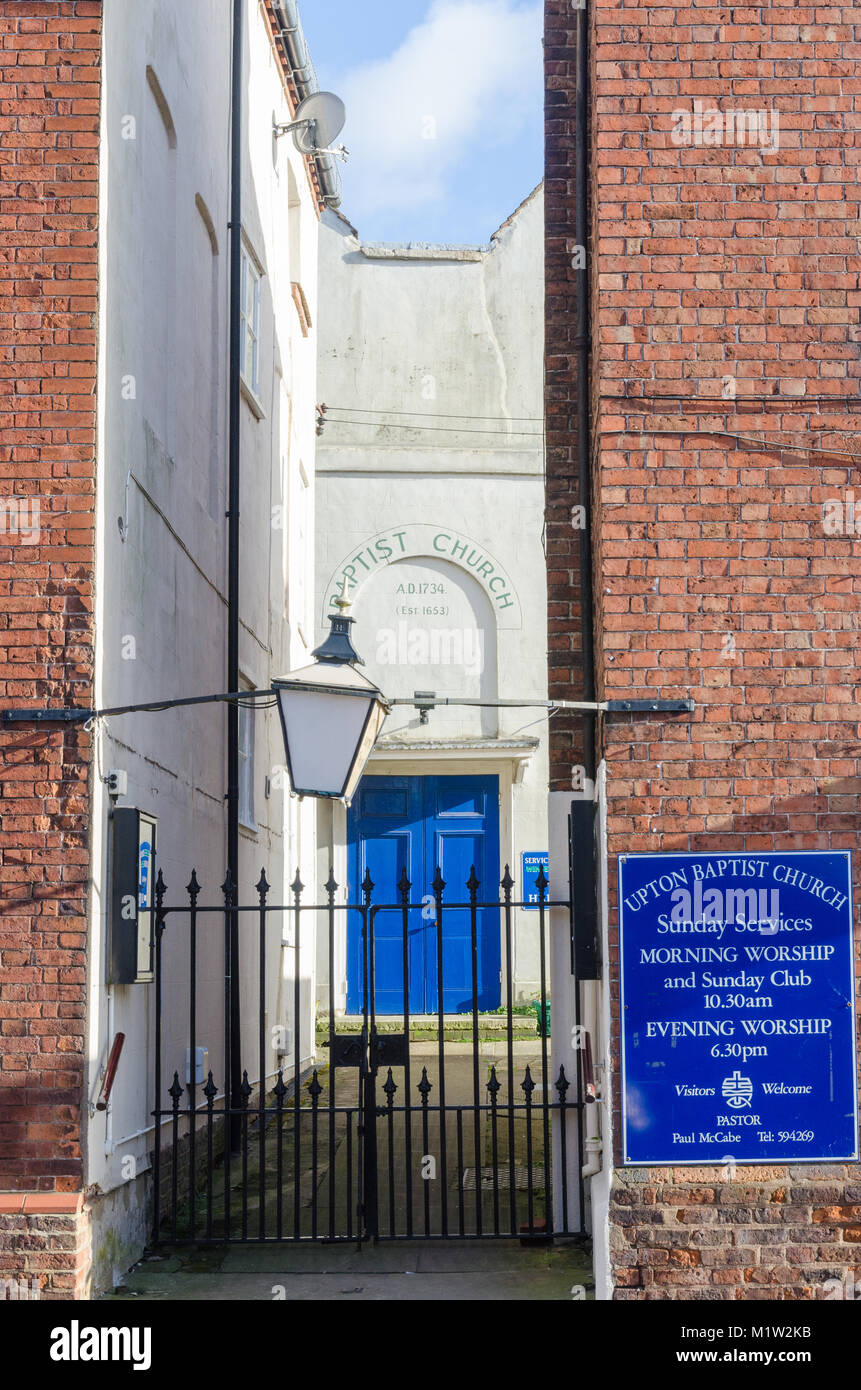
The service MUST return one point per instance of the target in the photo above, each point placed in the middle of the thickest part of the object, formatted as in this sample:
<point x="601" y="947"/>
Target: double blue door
<point x="417" y="824"/>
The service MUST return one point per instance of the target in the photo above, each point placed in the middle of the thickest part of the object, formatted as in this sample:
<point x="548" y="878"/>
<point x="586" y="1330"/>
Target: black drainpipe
<point x="232" y="1021"/>
<point x="582" y="824"/>
<point x="582" y="345"/>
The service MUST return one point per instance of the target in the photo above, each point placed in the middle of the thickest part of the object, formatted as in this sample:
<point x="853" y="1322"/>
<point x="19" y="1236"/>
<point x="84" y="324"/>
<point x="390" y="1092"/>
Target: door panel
<point x="382" y="842"/>
<point x="419" y="823"/>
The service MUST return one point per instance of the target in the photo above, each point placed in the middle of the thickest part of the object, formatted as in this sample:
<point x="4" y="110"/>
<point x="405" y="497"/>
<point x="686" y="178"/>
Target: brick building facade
<point x="724" y="281"/>
<point x="49" y="118"/>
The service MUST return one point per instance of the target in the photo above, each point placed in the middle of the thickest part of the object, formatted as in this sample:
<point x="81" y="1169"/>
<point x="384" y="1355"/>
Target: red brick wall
<point x="717" y="578"/>
<point x="49" y="139"/>
<point x="44" y="1246"/>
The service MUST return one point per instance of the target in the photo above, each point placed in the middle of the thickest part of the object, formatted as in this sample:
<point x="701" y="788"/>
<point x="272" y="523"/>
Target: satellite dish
<point x="318" y="122"/>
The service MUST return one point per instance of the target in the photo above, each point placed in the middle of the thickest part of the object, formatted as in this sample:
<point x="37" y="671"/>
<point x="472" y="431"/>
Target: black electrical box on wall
<point x="133" y="851"/>
<point x="585" y="948"/>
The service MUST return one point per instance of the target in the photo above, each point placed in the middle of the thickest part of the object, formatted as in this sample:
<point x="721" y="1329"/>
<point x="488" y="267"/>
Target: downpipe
<point x="231" y="963"/>
<point x="593" y="1144"/>
<point x="582" y="348"/>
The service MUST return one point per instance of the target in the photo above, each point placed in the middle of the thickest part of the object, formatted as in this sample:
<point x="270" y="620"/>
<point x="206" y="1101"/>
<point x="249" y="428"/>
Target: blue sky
<point x="444" y="111"/>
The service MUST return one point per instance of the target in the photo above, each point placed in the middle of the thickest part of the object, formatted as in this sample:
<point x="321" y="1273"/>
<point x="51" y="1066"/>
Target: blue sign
<point x="738" y="1008"/>
<point x="532" y="862"/>
<point x="144" y="857"/>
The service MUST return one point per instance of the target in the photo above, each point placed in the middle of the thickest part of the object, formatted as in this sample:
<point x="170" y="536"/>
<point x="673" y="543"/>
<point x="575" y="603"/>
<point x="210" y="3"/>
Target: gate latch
<point x="347" y="1050"/>
<point x="389" y="1050"/>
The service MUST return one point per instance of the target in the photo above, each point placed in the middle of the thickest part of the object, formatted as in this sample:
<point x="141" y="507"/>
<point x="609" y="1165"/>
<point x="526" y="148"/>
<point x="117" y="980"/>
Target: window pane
<point x="246" y="767"/>
<point x="249" y="310"/>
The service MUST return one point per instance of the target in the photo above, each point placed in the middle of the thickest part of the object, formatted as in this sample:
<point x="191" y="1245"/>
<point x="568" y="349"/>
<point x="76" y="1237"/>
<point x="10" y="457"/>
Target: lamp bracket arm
<point x="424" y="700"/>
<point x="83" y="716"/>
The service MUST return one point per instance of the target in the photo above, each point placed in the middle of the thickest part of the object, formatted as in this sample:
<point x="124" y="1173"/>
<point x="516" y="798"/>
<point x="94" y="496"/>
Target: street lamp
<point x="331" y="715"/>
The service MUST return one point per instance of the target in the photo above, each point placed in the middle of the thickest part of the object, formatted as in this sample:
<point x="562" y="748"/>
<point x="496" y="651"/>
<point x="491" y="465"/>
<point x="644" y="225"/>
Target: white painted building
<point x="430" y="503"/>
<point x="161" y="603"/>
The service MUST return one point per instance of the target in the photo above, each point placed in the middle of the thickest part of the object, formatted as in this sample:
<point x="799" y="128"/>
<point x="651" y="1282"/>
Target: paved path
<point x="411" y="1271"/>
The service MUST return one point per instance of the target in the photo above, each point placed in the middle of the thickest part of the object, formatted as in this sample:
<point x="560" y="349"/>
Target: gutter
<point x="305" y="79"/>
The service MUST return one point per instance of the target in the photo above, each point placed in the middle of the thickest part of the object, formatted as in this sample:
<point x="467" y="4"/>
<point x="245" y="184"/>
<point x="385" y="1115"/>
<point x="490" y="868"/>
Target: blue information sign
<point x="533" y="861"/>
<point x="738" y="1008"/>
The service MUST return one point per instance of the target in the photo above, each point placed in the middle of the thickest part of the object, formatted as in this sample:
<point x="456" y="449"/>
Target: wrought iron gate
<point x="372" y="1128"/>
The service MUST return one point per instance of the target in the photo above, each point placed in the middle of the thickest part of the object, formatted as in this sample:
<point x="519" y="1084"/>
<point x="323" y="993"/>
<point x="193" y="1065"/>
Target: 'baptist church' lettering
<point x="394" y="546"/>
<point x="445" y="544"/>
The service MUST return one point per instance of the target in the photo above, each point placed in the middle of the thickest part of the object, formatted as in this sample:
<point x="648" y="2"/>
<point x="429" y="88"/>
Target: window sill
<point x="255" y="405"/>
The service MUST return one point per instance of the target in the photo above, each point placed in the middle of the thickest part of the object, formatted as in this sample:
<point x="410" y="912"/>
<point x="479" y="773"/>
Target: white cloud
<point x="467" y="78"/>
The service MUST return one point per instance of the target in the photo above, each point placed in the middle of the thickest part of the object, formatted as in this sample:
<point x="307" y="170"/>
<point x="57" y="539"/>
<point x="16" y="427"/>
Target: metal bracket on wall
<point x="648" y="706"/>
<point x="425" y="700"/>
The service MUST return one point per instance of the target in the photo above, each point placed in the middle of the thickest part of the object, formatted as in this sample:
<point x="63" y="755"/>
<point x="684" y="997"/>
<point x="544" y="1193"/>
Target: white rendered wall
<point x="430" y="499"/>
<point x="161" y="592"/>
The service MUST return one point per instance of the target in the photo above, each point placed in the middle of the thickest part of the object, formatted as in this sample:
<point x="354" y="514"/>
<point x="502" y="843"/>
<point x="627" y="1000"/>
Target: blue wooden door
<point x="417" y="823"/>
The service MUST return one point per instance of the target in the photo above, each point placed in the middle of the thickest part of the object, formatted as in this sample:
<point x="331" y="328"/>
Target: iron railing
<point x="392" y="1136"/>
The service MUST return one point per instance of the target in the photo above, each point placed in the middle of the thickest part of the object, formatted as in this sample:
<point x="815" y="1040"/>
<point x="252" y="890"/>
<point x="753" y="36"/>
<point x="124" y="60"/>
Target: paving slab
<point x="322" y="1259"/>
<point x="483" y="1258"/>
<point x="352" y="1285"/>
<point x="470" y="1270"/>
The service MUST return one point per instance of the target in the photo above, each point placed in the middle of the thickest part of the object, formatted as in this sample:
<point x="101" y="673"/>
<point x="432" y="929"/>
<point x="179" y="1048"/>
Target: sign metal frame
<point x="772" y="1160"/>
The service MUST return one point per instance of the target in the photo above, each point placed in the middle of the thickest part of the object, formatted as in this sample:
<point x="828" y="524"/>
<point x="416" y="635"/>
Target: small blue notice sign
<point x="532" y="862"/>
<point x="738" y="1008"/>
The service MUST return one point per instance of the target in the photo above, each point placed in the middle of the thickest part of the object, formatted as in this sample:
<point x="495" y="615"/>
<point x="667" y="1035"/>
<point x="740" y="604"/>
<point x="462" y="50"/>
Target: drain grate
<point x="503" y="1178"/>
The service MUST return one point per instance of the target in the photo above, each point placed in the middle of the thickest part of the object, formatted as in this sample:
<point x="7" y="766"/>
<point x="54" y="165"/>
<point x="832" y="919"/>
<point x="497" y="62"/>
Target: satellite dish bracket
<point x="284" y="127"/>
<point x="337" y="151"/>
<point x="319" y="120"/>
